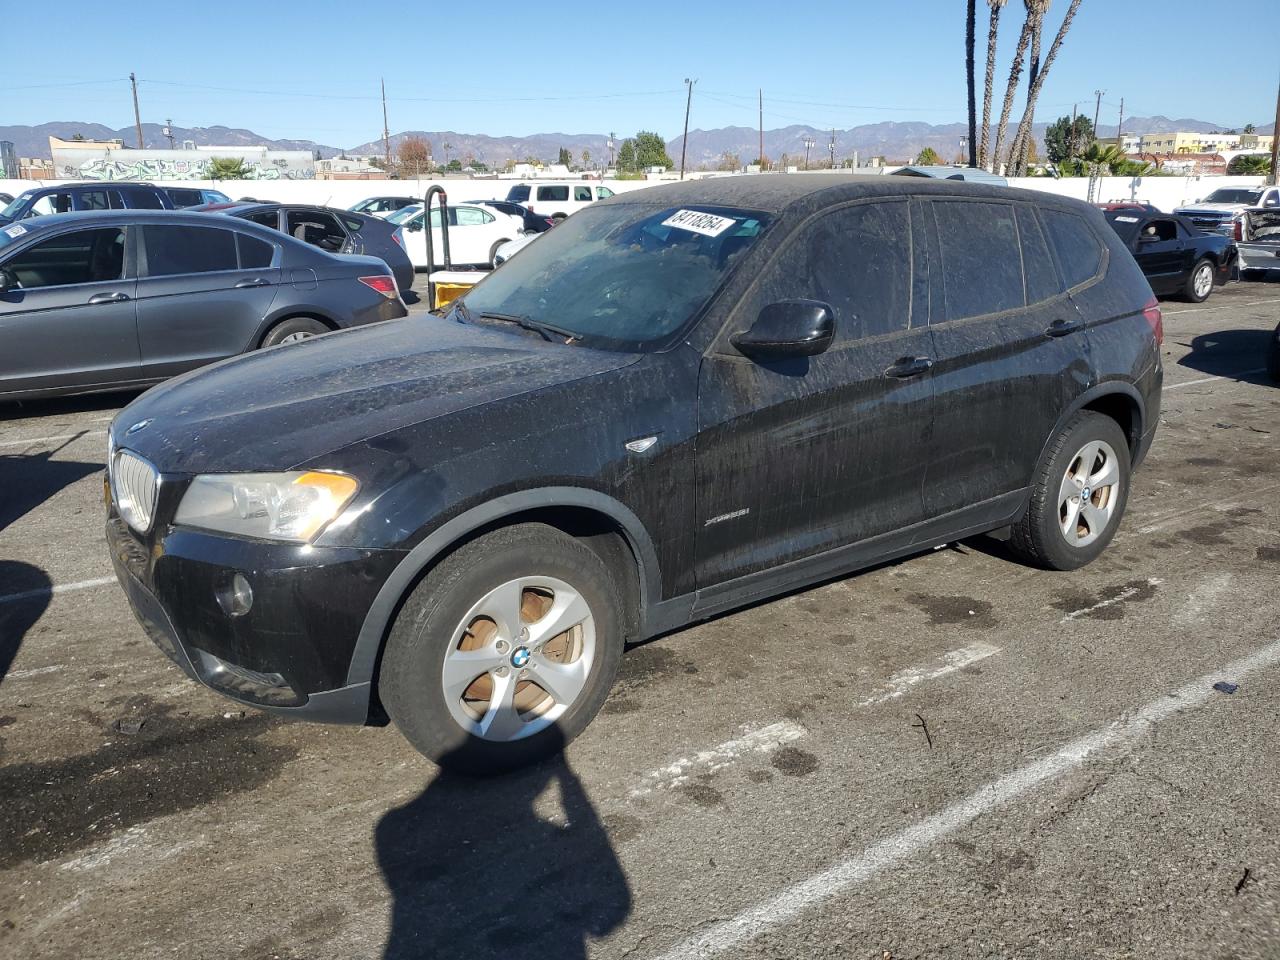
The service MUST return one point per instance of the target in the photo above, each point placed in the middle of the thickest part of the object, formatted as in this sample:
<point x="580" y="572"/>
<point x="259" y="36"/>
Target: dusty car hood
<point x="277" y="408"/>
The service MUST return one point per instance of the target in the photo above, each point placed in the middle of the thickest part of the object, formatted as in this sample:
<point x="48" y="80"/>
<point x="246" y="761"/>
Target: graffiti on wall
<point x="189" y="167"/>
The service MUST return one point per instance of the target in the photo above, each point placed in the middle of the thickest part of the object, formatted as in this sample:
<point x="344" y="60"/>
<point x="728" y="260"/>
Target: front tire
<point x="505" y="652"/>
<point x="1200" y="282"/>
<point x="493" y="252"/>
<point x="1078" y="495"/>
<point x="293" y="330"/>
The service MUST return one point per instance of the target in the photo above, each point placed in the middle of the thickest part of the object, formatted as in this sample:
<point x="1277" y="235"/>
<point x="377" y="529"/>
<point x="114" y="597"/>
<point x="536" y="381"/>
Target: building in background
<point x="1187" y="164"/>
<point x="8" y="161"/>
<point x="350" y="168"/>
<point x="111" y="160"/>
<point x="1193" y="143"/>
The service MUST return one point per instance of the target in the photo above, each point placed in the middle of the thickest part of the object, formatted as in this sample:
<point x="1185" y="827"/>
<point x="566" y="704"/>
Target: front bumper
<point x="291" y="651"/>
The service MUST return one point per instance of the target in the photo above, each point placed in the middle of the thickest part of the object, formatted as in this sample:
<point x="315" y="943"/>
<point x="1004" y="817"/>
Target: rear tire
<point x="469" y="633"/>
<point x="493" y="252"/>
<point x="293" y="330"/>
<point x="1199" y="284"/>
<point x="1078" y="495"/>
<point x="1273" y="356"/>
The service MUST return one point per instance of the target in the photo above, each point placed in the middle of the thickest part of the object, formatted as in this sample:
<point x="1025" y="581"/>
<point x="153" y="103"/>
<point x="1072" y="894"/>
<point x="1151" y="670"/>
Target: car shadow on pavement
<point x="475" y="870"/>
<point x="25" y="591"/>
<point x="56" y="406"/>
<point x="1226" y="353"/>
<point x="30" y="480"/>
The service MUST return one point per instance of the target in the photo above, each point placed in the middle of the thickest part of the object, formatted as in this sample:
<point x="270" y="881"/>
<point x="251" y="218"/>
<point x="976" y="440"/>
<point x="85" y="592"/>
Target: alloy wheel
<point x="1203" y="282"/>
<point x="519" y="659"/>
<point x="297" y="337"/>
<point x="1089" y="493"/>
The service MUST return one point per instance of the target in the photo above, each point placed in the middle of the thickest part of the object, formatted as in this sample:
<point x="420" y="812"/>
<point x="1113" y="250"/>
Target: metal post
<point x="760" y="159"/>
<point x="432" y="191"/>
<point x="137" y="116"/>
<point x="684" y="141"/>
<point x="386" y="131"/>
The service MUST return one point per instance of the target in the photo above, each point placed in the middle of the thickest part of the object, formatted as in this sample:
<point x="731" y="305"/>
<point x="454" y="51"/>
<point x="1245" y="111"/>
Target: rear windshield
<point x="17" y="204"/>
<point x="626" y="276"/>
<point x="405" y="213"/>
<point x="1125" y="224"/>
<point x="1230" y="195"/>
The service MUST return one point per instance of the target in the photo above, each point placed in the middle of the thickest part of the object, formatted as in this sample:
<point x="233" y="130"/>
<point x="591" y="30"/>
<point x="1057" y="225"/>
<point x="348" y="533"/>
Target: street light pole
<point x="684" y="141"/>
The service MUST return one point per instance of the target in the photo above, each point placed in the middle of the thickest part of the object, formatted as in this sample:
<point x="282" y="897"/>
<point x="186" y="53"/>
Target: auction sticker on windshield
<point x="18" y="230"/>
<point x="1126" y="219"/>
<point x="707" y="224"/>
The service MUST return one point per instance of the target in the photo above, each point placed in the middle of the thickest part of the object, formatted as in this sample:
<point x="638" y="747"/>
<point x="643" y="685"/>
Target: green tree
<point x="586" y="159"/>
<point x="226" y="168"/>
<point x="1250" y="128"/>
<point x="1064" y="139"/>
<point x="566" y="158"/>
<point x="1249" y="165"/>
<point x="651" y="150"/>
<point x="928" y="157"/>
<point x="454" y="165"/>
<point x="627" y="155"/>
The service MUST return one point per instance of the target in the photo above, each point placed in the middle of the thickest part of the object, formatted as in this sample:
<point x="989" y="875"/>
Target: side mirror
<point x="415" y="226"/>
<point x="789" y="328"/>
<point x="7" y="281"/>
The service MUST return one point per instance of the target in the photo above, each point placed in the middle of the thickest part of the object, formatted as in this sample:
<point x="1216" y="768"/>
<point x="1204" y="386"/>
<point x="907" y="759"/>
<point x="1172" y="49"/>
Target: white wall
<point x="1163" y="192"/>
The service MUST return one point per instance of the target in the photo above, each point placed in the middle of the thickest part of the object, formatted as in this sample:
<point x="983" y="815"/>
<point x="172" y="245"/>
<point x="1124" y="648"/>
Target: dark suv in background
<point x="678" y="402"/>
<point x="96" y="195"/>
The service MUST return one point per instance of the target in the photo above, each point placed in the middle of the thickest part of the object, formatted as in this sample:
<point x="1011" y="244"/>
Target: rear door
<point x="797" y="457"/>
<point x="72" y="320"/>
<point x="1011" y="352"/>
<point x="203" y="293"/>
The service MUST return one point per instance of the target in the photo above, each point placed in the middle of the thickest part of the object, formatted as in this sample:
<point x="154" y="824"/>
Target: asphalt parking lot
<point x="950" y="756"/>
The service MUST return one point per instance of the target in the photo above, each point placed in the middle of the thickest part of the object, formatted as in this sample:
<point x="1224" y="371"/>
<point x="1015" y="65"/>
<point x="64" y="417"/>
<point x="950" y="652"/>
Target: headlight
<point x="274" y="506"/>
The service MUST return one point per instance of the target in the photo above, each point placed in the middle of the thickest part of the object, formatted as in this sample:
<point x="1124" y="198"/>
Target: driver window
<point x="84" y="256"/>
<point x="318" y="229"/>
<point x="1158" y="231"/>
<point x="50" y="203"/>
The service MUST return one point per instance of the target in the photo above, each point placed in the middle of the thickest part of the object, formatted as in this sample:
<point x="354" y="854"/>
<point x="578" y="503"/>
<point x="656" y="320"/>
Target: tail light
<point x="1151" y="313"/>
<point x="387" y="286"/>
<point x="1237" y="229"/>
<point x="398" y="237"/>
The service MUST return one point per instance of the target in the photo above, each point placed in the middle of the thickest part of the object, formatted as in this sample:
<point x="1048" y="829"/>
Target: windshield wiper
<point x="548" y="332"/>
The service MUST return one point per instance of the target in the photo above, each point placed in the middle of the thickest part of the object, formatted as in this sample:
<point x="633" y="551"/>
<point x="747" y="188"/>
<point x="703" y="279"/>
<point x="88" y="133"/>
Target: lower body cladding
<point x="271" y="625"/>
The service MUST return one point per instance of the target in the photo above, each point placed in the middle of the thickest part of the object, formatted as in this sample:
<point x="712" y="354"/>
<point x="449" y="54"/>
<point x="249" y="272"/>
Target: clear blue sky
<point x="311" y="69"/>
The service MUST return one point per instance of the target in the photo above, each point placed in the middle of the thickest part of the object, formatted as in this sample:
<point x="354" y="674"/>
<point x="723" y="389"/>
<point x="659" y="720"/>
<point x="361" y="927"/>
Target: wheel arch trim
<point x="1108" y="388"/>
<point x="382" y="612"/>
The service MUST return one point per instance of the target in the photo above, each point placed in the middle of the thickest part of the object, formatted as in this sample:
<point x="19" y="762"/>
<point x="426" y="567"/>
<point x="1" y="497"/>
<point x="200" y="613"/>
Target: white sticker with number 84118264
<point x="707" y="224"/>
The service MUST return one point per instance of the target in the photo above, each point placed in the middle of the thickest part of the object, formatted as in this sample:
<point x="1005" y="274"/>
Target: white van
<point x="557" y="198"/>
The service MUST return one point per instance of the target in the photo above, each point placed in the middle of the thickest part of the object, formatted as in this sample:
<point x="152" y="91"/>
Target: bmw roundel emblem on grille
<point x="140" y="425"/>
<point x="520" y="657"/>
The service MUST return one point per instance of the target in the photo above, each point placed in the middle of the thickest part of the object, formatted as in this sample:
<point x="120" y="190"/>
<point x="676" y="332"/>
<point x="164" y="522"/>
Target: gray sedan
<point x="127" y="298"/>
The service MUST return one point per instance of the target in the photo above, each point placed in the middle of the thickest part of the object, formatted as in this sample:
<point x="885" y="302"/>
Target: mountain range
<point x="890" y="139"/>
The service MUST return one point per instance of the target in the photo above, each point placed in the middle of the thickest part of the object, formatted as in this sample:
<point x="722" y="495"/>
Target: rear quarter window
<point x="1037" y="263"/>
<point x="1077" y="247"/>
<point x="981" y="258"/>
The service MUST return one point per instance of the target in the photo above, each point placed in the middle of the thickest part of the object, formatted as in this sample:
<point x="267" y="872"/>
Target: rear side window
<point x="353" y="224"/>
<point x="318" y="229"/>
<point x="84" y="256"/>
<point x="93" y="200"/>
<point x="981" y="259"/>
<point x="50" y="203"/>
<point x="185" y="198"/>
<point x="1078" y="249"/>
<point x="143" y="200"/>
<point x="268" y="218"/>
<point x="582" y="193"/>
<point x="177" y="250"/>
<point x="558" y="194"/>
<point x="519" y="194"/>
<point x="857" y="260"/>
<point x="1042" y="279"/>
<point x="254" y="253"/>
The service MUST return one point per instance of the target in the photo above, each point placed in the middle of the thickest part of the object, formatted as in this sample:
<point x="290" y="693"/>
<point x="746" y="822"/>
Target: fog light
<point x="236" y="598"/>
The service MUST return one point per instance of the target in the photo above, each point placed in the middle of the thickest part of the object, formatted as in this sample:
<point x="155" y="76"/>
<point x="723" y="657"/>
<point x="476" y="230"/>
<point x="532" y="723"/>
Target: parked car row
<point x="98" y="195"/>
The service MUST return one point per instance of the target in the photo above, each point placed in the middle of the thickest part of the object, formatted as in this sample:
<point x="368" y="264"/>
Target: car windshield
<point x="405" y="213"/>
<point x="1228" y="195"/>
<point x="16" y="205"/>
<point x="624" y="275"/>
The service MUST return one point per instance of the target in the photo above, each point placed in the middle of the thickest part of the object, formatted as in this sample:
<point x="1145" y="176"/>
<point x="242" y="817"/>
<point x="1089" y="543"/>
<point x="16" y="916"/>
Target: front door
<point x="203" y="293"/>
<point x="71" y="319"/>
<point x="1162" y="255"/>
<point x="798" y="457"/>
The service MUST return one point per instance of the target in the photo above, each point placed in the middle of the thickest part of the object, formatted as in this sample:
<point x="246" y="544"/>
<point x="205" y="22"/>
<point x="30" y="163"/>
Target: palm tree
<point x="1024" y="128"/>
<point x="1015" y="71"/>
<point x="1036" y="10"/>
<point x="226" y="168"/>
<point x="989" y="89"/>
<point x="970" y="25"/>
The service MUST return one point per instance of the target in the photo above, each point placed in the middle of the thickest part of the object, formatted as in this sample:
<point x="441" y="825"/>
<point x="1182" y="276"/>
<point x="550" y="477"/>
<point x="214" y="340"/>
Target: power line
<point x="340" y="96"/>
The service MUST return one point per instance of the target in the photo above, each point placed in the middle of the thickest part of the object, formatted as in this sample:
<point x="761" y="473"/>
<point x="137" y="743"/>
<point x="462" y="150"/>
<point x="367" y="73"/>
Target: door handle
<point x="906" y="367"/>
<point x="255" y="282"/>
<point x="1060" y="328"/>
<point x="109" y="298"/>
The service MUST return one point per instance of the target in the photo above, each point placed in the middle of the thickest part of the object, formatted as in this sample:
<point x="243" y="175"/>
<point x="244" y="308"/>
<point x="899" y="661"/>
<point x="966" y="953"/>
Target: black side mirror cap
<point x="788" y="328"/>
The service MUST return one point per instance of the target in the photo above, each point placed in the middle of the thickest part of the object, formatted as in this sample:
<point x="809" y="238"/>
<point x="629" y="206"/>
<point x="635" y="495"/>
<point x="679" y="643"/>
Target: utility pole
<point x="611" y="139"/>
<point x="1275" y="144"/>
<point x="1097" y="111"/>
<point x="168" y="131"/>
<point x="684" y="141"/>
<point x="832" y="147"/>
<point x="1120" y="128"/>
<point x="386" y="130"/>
<point x="760" y="161"/>
<point x="137" y="117"/>
<point x="808" y="143"/>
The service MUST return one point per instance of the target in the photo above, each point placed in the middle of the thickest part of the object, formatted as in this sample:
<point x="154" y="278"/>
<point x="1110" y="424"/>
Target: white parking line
<point x="900" y="683"/>
<point x="763" y="740"/>
<point x="1231" y="376"/>
<point x="1221" y="306"/>
<point x="801" y="897"/>
<point x="60" y="588"/>
<point x="54" y="439"/>
<point x="33" y="672"/>
<point x="1120" y="597"/>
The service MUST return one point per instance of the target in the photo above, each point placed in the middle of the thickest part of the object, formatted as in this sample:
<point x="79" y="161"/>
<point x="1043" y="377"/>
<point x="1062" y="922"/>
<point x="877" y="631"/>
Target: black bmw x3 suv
<point x="681" y="401"/>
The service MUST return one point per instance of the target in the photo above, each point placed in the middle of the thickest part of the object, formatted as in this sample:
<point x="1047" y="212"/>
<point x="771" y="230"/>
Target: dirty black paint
<point x="174" y="763"/>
